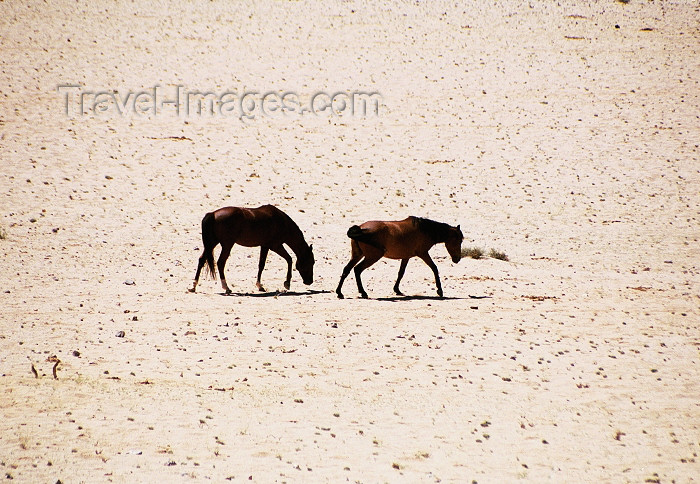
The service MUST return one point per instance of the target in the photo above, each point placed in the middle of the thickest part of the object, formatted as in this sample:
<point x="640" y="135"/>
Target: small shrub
<point x="473" y="252"/>
<point x="495" y="254"/>
<point x="3" y="234"/>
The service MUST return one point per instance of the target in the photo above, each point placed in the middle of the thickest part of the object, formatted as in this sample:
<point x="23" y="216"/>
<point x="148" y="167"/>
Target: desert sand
<point x="564" y="134"/>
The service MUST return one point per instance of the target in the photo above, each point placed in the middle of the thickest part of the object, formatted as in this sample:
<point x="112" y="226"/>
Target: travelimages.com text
<point x="179" y="101"/>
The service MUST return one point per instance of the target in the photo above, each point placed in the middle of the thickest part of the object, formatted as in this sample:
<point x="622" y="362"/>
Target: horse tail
<point x="365" y="236"/>
<point x="354" y="232"/>
<point x="209" y="241"/>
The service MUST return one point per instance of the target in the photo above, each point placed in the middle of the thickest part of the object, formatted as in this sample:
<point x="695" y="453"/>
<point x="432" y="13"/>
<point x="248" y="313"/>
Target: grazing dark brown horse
<point x="412" y="237"/>
<point x="267" y="227"/>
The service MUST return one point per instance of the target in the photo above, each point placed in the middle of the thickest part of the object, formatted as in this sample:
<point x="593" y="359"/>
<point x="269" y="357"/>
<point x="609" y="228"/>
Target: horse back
<point x="399" y="239"/>
<point x="265" y="225"/>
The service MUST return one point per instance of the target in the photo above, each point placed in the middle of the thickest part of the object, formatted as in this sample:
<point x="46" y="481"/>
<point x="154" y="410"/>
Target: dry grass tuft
<point x="473" y="252"/>
<point x="496" y="254"/>
<point x="478" y="253"/>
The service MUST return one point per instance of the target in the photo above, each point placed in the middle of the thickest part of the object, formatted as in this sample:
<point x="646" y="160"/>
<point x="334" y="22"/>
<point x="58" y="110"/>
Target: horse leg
<point x="261" y="266"/>
<point x="202" y="261"/>
<point x="426" y="258"/>
<point x="402" y="269"/>
<point x="354" y="259"/>
<point x="285" y="255"/>
<point x="366" y="262"/>
<point x="221" y="262"/>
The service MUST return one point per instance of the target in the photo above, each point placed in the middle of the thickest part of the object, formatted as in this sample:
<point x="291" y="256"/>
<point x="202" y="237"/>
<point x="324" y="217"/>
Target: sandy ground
<point x="562" y="133"/>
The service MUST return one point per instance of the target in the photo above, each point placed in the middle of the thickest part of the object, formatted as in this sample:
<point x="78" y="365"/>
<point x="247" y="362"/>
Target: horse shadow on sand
<point x="310" y="292"/>
<point x="429" y="298"/>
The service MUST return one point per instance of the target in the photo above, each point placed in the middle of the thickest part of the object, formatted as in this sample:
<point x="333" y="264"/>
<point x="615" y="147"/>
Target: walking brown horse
<point x="267" y="227"/>
<point x="412" y="237"/>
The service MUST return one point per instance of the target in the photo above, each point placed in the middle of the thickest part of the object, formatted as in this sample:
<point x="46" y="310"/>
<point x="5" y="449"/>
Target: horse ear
<point x="458" y="227"/>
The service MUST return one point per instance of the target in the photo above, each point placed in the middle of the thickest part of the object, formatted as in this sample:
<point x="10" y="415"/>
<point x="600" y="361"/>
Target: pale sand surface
<point x="540" y="127"/>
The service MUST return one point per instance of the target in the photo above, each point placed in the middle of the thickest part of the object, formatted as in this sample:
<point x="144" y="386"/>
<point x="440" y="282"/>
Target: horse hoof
<point x="340" y="296"/>
<point x="228" y="291"/>
<point x="191" y="289"/>
<point x="364" y="295"/>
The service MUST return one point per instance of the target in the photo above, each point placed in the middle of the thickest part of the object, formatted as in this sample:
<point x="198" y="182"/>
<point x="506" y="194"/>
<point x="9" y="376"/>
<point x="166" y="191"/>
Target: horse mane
<point x="437" y="231"/>
<point x="291" y="225"/>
